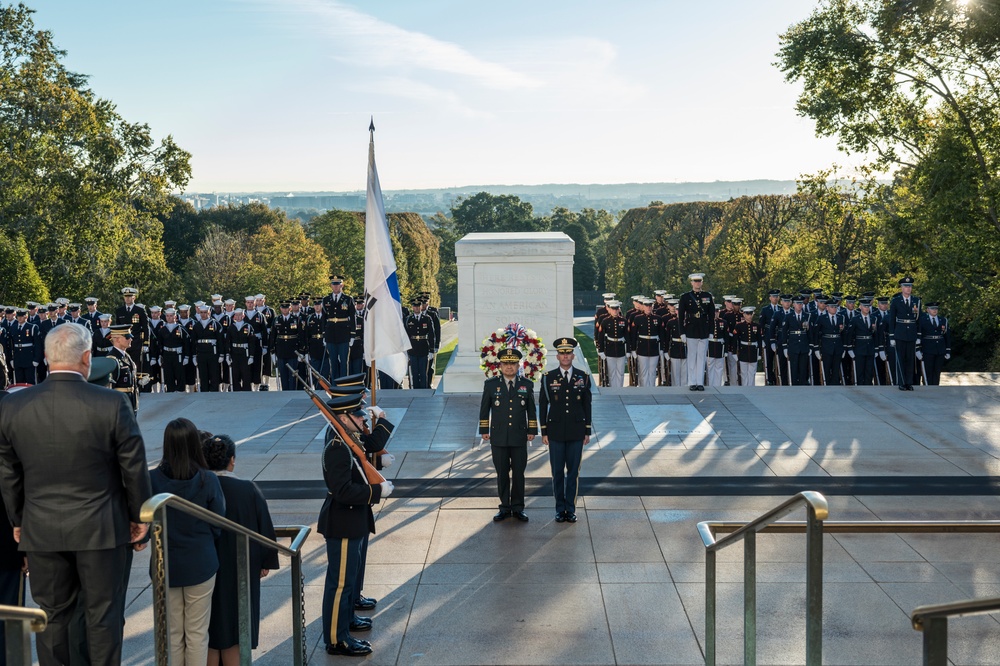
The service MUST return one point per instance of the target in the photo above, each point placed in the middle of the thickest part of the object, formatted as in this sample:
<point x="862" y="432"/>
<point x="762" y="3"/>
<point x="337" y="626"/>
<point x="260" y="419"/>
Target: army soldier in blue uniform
<point x="934" y="344"/>
<point x="862" y="343"/>
<point x="766" y="316"/>
<point x="507" y="421"/>
<point x="884" y="372"/>
<point x="421" y="333"/>
<point x="796" y="342"/>
<point x="830" y="338"/>
<point x="26" y="348"/>
<point x="288" y="341"/>
<point x="338" y="308"/>
<point x="564" y="412"/>
<point x="696" y="312"/>
<point x="904" y="311"/>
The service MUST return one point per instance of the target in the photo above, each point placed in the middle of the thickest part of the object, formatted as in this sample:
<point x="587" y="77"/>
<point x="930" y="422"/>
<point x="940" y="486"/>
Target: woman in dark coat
<point x="244" y="505"/>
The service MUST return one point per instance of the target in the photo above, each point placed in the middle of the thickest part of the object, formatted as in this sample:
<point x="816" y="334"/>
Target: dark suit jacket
<point x="564" y="409"/>
<point x="75" y="486"/>
<point x="513" y="413"/>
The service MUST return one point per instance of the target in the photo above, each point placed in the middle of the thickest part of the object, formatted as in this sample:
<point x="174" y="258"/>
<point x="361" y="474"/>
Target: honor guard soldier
<point x="777" y="321"/>
<point x="185" y="319"/>
<point x="288" y="341"/>
<point x="50" y="322"/>
<point x="764" y="319"/>
<point x="92" y="312"/>
<point x="796" y="342"/>
<point x="848" y="310"/>
<point x="884" y="374"/>
<point x="207" y="342"/>
<point x="26" y="348"/>
<point x="175" y="351"/>
<point x="125" y="378"/>
<point x="934" y="344"/>
<point x="731" y="315"/>
<point x="338" y="308"/>
<point x="904" y="311"/>
<point x="613" y="332"/>
<point x="76" y="318"/>
<point x="6" y="374"/>
<point x="564" y="410"/>
<point x="432" y="314"/>
<point x="715" y="355"/>
<point x="316" y="336"/>
<point x="600" y="313"/>
<point x="153" y="357"/>
<point x="830" y="337"/>
<point x="102" y="336"/>
<point x="644" y="340"/>
<point x="749" y="343"/>
<point x="507" y="421"/>
<point x="862" y="344"/>
<point x="61" y="305"/>
<point x="631" y="363"/>
<point x="242" y="349"/>
<point x="696" y="311"/>
<point x="267" y="355"/>
<point x="33" y="317"/>
<point x="357" y="353"/>
<point x="673" y="345"/>
<point x="421" y="334"/>
<point x="129" y="313"/>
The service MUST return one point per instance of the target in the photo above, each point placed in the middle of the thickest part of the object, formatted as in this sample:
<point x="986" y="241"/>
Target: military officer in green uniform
<point x="507" y="421"/>
<point x="564" y="412"/>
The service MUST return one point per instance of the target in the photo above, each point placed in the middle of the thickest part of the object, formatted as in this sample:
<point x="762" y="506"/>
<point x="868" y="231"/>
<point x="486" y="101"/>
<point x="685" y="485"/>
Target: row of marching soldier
<point x="804" y="339"/>
<point x="215" y="345"/>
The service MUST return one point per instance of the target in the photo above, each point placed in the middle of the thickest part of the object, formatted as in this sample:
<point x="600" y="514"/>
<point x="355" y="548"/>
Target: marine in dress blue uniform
<point x="507" y="419"/>
<point x="564" y="409"/>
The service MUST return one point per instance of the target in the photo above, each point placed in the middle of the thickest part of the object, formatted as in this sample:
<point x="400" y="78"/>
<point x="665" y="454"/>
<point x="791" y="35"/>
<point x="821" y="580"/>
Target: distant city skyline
<point x="276" y="95"/>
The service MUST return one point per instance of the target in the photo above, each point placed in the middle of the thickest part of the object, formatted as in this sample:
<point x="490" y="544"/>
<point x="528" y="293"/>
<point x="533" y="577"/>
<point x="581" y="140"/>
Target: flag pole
<point x="374" y="378"/>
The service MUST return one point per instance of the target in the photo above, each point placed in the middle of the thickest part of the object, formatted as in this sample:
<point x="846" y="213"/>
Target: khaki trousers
<point x="190" y="609"/>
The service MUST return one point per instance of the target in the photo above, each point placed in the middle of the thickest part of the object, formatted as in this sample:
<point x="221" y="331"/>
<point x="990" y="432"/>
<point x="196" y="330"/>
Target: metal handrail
<point x="817" y="510"/>
<point x="931" y="620"/>
<point x="19" y="624"/>
<point x="154" y="511"/>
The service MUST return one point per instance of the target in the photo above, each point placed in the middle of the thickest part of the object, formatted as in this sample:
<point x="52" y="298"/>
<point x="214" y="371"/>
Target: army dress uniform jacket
<point x="347" y="509"/>
<point x="512" y="412"/>
<point x="288" y="337"/>
<point x="315" y="335"/>
<point x="340" y="319"/>
<point x="421" y="333"/>
<point x="696" y="311"/>
<point x="564" y="407"/>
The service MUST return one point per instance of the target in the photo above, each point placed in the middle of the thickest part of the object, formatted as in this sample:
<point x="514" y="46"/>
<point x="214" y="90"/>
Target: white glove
<point x="153" y="361"/>
<point x="185" y="361"/>
<point x="387" y="459"/>
<point x="229" y="359"/>
<point x="430" y="357"/>
<point x="844" y="353"/>
<point x="684" y="338"/>
<point x="375" y="412"/>
<point x="892" y="343"/>
<point x="632" y="354"/>
<point x="774" y="347"/>
<point x="819" y="355"/>
<point x="881" y="355"/>
<point x="144" y="381"/>
<point x="263" y="350"/>
<point x="786" y="353"/>
<point x="601" y="355"/>
<point x="711" y="337"/>
<point x="274" y="359"/>
<point x="386" y="488"/>
<point x="249" y="360"/>
<point x="851" y="352"/>
<point x="34" y="363"/>
<point x="221" y="358"/>
<point x="351" y="342"/>
<point x="145" y="349"/>
<point x="920" y="355"/>
<point x="947" y="356"/>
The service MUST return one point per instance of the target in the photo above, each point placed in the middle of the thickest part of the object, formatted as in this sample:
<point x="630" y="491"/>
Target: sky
<point x="274" y="95"/>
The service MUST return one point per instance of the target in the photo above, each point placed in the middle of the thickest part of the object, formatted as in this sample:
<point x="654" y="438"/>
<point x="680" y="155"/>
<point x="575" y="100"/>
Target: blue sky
<point x="277" y="94"/>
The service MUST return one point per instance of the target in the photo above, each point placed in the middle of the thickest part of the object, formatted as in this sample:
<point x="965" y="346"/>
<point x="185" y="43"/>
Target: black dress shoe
<point x="501" y="515"/>
<point x="361" y="623"/>
<point x="561" y="517"/>
<point x="570" y="517"/>
<point x="352" y="648"/>
<point x="365" y="603"/>
<point x="693" y="387"/>
<point x="700" y="388"/>
<point x="902" y="387"/>
<point x="521" y="515"/>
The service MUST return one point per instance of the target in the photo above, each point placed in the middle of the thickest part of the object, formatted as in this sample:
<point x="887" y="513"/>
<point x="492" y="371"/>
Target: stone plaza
<point x="625" y="585"/>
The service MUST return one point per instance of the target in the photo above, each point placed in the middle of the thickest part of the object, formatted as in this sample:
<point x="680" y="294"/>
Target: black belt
<point x="796" y="332"/>
<point x="933" y="337"/>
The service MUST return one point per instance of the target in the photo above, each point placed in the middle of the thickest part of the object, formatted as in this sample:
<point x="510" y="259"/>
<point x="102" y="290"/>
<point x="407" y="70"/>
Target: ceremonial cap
<point x="737" y="300"/>
<point x="121" y="331"/>
<point x="357" y="379"/>
<point x="565" y="345"/>
<point x="786" y="297"/>
<point x="660" y="292"/>
<point x="63" y="302"/>
<point x="728" y="297"/>
<point x="152" y="308"/>
<point x="336" y="279"/>
<point x="748" y="309"/>
<point x="229" y="301"/>
<point x="184" y="307"/>
<point x="130" y="291"/>
<point x="170" y="311"/>
<point x="90" y="300"/>
<point x="340" y="391"/>
<point x="906" y="282"/>
<point x="614" y="305"/>
<point x="21" y="312"/>
<point x="696" y="277"/>
<point x="673" y="301"/>
<point x="933" y="305"/>
<point x="51" y="307"/>
<point x="510" y="356"/>
<point x="74" y="307"/>
<point x="798" y="299"/>
<point x="348" y="404"/>
<point x="216" y="297"/>
<point x="284" y="304"/>
<point x="882" y="299"/>
<point x="774" y="292"/>
<point x="608" y="296"/>
<point x="104" y="316"/>
<point x="170" y="303"/>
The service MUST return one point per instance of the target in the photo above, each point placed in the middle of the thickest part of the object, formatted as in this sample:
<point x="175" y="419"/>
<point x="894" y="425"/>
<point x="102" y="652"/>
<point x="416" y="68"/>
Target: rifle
<point x="317" y="377"/>
<point x="371" y="474"/>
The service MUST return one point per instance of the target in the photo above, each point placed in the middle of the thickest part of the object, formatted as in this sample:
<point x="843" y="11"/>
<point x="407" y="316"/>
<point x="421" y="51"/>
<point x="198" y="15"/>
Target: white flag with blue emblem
<point x="386" y="341"/>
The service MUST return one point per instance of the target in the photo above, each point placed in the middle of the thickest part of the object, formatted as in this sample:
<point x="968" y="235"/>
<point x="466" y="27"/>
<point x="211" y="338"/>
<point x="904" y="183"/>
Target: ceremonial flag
<point x="386" y="341"/>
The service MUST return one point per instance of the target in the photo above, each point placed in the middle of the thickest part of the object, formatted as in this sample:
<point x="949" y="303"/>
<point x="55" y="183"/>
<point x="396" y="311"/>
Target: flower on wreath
<point x="514" y="336"/>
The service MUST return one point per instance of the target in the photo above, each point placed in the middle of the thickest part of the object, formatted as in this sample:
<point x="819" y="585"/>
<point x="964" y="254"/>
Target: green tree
<point x="487" y="213"/>
<point x="19" y="279"/>
<point x="222" y="263"/>
<point x="249" y="218"/>
<point x="443" y="228"/>
<point x="183" y="231"/>
<point x="285" y="262"/>
<point x="584" y="263"/>
<point x="341" y="234"/>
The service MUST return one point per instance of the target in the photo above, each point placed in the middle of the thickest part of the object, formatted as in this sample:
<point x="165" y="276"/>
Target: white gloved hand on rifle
<point x="881" y="355"/>
<point x="819" y="355"/>
<point x="602" y="356"/>
<point x="920" y="355"/>
<point x="387" y="459"/>
<point x="387" y="488"/>
<point x="851" y="352"/>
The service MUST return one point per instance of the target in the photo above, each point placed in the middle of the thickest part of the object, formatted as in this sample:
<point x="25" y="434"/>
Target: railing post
<point x="18" y="642"/>
<point x="243" y="597"/>
<point x="750" y="599"/>
<point x="709" y="608"/>
<point x="160" y="577"/>
<point x="814" y="588"/>
<point x="298" y="611"/>
<point x="936" y="641"/>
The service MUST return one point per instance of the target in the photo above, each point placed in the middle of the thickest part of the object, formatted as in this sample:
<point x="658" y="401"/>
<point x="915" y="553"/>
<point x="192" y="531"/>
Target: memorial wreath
<point x="514" y="336"/>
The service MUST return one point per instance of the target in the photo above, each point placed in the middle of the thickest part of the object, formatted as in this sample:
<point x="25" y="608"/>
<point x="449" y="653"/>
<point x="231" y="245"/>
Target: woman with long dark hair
<point x="244" y="505"/>
<point x="193" y="560"/>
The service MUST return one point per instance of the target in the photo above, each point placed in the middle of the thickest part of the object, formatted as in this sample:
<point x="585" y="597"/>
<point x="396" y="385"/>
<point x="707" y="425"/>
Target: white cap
<point x="748" y="309"/>
<point x="259" y="296"/>
<point x="696" y="276"/>
<point x="155" y="308"/>
<point x="238" y="311"/>
<point x="170" y="311"/>
<point x="216" y="297"/>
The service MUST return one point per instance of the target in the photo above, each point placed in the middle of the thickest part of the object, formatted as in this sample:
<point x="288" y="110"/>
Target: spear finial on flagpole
<point x="371" y="126"/>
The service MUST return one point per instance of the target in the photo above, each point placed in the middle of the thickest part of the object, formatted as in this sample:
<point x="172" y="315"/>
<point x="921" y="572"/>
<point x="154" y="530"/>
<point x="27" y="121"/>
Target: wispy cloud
<point x="421" y="92"/>
<point x="364" y="39"/>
